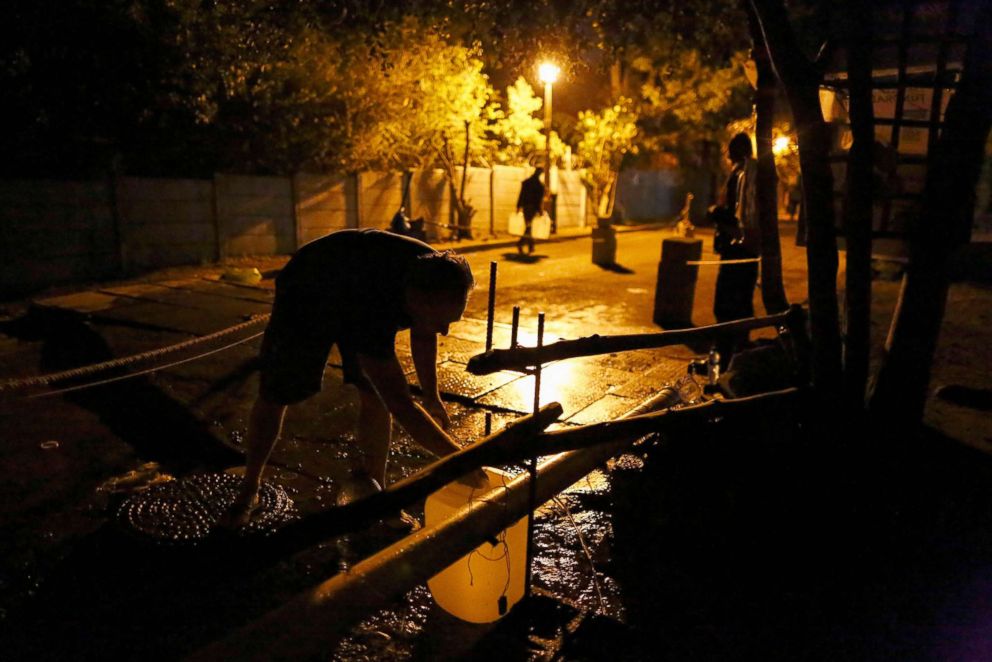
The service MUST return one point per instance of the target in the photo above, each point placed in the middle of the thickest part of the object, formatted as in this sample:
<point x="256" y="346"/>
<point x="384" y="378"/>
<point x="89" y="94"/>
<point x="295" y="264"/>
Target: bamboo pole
<point x="511" y="441"/>
<point x="313" y="622"/>
<point x="520" y="358"/>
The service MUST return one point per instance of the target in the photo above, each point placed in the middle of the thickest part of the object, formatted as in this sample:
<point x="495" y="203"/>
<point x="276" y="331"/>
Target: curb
<point x="511" y="242"/>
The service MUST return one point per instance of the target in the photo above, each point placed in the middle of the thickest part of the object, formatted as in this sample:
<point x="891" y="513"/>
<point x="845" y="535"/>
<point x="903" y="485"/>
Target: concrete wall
<point x="506" y="188"/>
<point x="255" y="215"/>
<point x="430" y="199"/>
<point x="380" y="195"/>
<point x="324" y="203"/>
<point x="166" y="221"/>
<point x="571" y="203"/>
<point x="55" y="232"/>
<point x="60" y="232"/>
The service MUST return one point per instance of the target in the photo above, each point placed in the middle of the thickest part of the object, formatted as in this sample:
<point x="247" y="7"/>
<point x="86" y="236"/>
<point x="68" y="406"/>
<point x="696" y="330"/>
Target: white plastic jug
<point x="483" y="585"/>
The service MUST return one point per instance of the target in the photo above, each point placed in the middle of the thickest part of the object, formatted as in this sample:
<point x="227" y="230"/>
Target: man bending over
<point x="357" y="288"/>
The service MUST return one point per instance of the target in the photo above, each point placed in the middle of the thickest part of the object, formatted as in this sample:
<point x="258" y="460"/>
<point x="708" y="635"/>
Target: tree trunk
<point x="801" y="80"/>
<point x="858" y="204"/>
<point x="465" y="211"/>
<point x="772" y="290"/>
<point x="901" y="388"/>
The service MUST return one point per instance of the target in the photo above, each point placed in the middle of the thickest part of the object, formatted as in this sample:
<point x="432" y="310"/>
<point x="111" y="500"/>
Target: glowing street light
<point x="547" y="72"/>
<point x="781" y="145"/>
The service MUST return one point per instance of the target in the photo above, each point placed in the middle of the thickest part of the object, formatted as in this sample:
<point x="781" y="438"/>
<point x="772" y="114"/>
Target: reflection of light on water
<point x="557" y="380"/>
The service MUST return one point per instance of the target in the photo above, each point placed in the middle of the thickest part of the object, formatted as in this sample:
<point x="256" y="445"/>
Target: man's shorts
<point x="294" y="354"/>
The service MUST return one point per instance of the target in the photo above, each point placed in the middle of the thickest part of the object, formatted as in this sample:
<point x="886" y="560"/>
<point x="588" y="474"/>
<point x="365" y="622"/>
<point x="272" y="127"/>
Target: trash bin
<point x="604" y="243"/>
<point x="675" y="290"/>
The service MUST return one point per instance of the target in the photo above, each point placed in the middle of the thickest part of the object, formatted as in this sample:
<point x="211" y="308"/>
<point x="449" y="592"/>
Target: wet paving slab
<point x="191" y="417"/>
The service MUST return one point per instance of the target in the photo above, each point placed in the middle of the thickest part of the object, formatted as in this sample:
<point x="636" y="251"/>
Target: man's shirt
<point x="351" y="284"/>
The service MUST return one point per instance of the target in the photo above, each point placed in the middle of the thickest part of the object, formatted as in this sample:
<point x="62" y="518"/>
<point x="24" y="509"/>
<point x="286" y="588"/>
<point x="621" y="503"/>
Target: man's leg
<point x="264" y="425"/>
<point x="375" y="427"/>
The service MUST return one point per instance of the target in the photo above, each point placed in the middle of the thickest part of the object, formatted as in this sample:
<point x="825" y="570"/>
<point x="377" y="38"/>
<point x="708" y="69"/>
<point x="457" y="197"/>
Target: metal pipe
<point x="532" y="468"/>
<point x="491" y="311"/>
<point x="314" y="621"/>
<point x="514" y="327"/>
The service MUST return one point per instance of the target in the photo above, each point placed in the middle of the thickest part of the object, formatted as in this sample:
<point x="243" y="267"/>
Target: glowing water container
<point x="483" y="585"/>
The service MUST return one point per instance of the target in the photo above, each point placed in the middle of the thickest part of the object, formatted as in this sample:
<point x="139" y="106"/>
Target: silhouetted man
<point x="356" y="289"/>
<point x="529" y="202"/>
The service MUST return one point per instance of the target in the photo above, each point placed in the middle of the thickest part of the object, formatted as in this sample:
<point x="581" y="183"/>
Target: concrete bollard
<point x="675" y="290"/>
<point x="604" y="243"/>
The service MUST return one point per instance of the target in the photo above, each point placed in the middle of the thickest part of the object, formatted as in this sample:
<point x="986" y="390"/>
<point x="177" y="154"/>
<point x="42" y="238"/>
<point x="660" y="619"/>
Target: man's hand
<point x="436" y="409"/>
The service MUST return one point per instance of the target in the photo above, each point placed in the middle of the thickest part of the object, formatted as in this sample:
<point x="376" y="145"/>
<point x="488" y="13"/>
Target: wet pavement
<point x="75" y="455"/>
<point x="75" y="584"/>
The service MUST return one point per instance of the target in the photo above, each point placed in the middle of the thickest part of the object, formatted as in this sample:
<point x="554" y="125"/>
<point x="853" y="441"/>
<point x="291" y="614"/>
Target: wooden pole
<point x="491" y="310"/>
<point x="507" y="442"/>
<point x="312" y="623"/>
<point x="532" y="469"/>
<point x="634" y="427"/>
<point x="520" y="358"/>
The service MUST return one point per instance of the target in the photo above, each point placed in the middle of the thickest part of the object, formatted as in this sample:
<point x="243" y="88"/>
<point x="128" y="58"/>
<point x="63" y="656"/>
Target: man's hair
<point x="445" y="273"/>
<point x="740" y="147"/>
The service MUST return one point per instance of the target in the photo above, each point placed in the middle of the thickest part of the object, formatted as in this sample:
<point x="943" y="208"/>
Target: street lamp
<point x="548" y="74"/>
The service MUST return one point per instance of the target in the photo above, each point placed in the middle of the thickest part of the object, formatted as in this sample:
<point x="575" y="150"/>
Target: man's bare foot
<point x="356" y="487"/>
<point x="239" y="513"/>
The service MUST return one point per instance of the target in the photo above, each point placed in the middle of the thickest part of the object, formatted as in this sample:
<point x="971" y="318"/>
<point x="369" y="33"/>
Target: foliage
<point x="187" y="86"/>
<point x="407" y="96"/>
<point x="521" y="134"/>
<point x="607" y="136"/>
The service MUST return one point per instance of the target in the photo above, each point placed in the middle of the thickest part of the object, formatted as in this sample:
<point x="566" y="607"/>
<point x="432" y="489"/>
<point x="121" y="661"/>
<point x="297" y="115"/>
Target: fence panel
<point x="324" y="203"/>
<point x="506" y="188"/>
<point x="571" y="204"/>
<point x="255" y="215"/>
<point x="380" y="195"/>
<point x="55" y="232"/>
<point x="166" y="222"/>
<point x="430" y="199"/>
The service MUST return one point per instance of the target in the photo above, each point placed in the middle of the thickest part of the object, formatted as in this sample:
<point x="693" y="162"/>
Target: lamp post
<point x="548" y="74"/>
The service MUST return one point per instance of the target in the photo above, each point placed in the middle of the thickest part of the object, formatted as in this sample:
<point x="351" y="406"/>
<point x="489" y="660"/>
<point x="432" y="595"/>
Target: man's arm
<point x="387" y="377"/>
<point x="424" y="349"/>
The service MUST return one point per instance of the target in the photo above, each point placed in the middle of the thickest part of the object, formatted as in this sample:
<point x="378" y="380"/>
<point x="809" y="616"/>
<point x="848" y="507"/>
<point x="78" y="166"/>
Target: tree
<point x="801" y="77"/>
<point x="521" y="133"/>
<point x="607" y="136"/>
<point x="766" y="189"/>
<point x="946" y="210"/>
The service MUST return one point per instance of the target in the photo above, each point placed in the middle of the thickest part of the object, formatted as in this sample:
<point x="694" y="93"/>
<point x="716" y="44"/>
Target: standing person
<point x="737" y="238"/>
<point x="356" y="289"/>
<point x="530" y="201"/>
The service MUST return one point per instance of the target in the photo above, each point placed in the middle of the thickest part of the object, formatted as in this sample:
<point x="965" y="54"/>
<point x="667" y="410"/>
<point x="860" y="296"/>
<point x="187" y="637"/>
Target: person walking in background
<point x="529" y="202"/>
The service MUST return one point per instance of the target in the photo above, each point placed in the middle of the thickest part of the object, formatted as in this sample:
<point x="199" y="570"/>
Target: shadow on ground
<point x="531" y="258"/>
<point x="141" y="414"/>
<point x="615" y="268"/>
<point x="731" y="548"/>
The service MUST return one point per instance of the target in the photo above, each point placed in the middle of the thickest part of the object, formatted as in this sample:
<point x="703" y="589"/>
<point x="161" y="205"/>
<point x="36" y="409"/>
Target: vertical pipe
<point x="537" y="368"/>
<point x="514" y="326"/>
<point x="492" y="305"/>
<point x="532" y="466"/>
